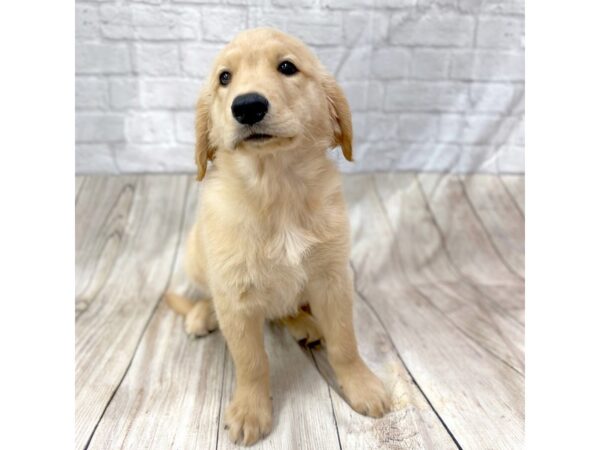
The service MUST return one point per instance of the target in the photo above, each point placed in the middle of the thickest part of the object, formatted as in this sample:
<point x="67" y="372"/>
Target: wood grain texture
<point x="439" y="315"/>
<point x="412" y="423"/>
<point x="477" y="395"/>
<point x="515" y="185"/>
<point x="500" y="217"/>
<point x="302" y="413"/>
<point x="126" y="236"/>
<point x="428" y="266"/>
<point x="465" y="237"/>
<point x="170" y="394"/>
<point x="79" y="182"/>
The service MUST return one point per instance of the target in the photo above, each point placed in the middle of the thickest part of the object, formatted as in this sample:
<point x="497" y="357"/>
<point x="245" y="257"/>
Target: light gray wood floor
<point x="438" y="262"/>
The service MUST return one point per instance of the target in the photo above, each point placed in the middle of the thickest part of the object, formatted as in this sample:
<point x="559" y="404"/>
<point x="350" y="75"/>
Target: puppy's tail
<point x="179" y="304"/>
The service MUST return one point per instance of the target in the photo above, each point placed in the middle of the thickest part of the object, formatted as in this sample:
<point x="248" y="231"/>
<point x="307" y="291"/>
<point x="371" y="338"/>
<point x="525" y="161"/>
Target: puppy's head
<point x="268" y="93"/>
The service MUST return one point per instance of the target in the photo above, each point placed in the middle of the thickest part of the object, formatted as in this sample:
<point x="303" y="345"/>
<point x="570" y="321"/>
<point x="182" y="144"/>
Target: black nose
<point x="249" y="108"/>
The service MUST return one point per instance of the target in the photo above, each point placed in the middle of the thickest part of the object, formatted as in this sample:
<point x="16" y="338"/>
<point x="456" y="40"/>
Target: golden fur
<point x="272" y="235"/>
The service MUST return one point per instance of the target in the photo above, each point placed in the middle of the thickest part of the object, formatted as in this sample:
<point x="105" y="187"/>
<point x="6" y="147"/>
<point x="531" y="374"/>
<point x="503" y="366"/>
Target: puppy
<point x="272" y="238"/>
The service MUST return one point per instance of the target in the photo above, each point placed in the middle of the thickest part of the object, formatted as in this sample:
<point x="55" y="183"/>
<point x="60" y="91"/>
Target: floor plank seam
<point x="410" y="374"/>
<point x="487" y="233"/>
<point x="511" y="196"/>
<point x="80" y="189"/>
<point x="337" y="430"/>
<point x="476" y="345"/>
<point x="78" y="311"/>
<point x="461" y="276"/>
<point x="221" y="397"/>
<point x="150" y="316"/>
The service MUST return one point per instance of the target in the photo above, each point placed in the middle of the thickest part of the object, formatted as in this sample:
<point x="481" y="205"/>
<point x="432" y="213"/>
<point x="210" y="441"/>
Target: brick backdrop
<point x="433" y="84"/>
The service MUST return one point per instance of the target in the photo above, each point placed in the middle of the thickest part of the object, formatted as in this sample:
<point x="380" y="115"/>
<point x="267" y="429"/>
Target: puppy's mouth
<point x="258" y="137"/>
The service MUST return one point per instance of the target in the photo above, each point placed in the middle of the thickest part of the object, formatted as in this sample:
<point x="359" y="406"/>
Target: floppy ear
<point x="204" y="150"/>
<point x="339" y="112"/>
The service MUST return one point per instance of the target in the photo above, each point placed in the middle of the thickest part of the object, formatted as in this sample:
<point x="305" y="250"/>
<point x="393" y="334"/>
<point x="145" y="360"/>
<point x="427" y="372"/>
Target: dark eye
<point x="287" y="68"/>
<point x="225" y="78"/>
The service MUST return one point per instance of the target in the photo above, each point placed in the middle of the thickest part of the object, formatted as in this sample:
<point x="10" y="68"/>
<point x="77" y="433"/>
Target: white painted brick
<point x="102" y="59"/>
<point x="124" y="93"/>
<point x="197" y="59"/>
<point x="478" y="158"/>
<point x="94" y="158"/>
<point x="347" y="4"/>
<point x="133" y="158"/>
<point x="375" y="94"/>
<point x="99" y="127"/>
<point x="500" y="32"/>
<point x="425" y="96"/>
<point x="316" y="28"/>
<point x="471" y="6"/>
<point x="435" y="29"/>
<point x="518" y="103"/>
<point x="262" y="3"/>
<point x="365" y="27"/>
<point x="430" y="64"/>
<point x="487" y="65"/>
<point x="170" y="94"/>
<point x="501" y="7"/>
<point x="511" y="159"/>
<point x="360" y="4"/>
<point x="222" y="24"/>
<point x="87" y="21"/>
<point x="517" y="133"/>
<point x="184" y="127"/>
<point x="516" y="7"/>
<point x="149" y="127"/>
<point x="148" y="22"/>
<point x="455" y="104"/>
<point x="493" y="97"/>
<point x="395" y="155"/>
<point x="330" y="57"/>
<point x="355" y="64"/>
<point x="492" y="159"/>
<point x="390" y="63"/>
<point x="91" y="93"/>
<point x="157" y="59"/>
<point x="359" y="127"/>
<point x="425" y="5"/>
<point x="403" y="127"/>
<point x="276" y="18"/>
<point x="478" y="129"/>
<point x="197" y="1"/>
<point x="301" y="3"/>
<point x="313" y="27"/>
<point x="357" y="94"/>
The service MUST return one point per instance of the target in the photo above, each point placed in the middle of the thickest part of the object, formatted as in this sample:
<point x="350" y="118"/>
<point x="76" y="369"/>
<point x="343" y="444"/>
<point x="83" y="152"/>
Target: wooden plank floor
<point x="438" y="263"/>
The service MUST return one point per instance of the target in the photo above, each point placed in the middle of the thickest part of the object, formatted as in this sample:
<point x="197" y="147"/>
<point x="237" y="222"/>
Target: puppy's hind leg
<point x="200" y="316"/>
<point x="304" y="328"/>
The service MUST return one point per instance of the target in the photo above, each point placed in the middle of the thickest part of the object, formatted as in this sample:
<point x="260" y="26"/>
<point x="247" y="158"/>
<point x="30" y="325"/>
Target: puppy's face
<point x="268" y="93"/>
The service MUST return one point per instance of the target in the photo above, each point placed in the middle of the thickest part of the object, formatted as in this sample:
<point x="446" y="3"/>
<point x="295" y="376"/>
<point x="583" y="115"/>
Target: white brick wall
<point x="433" y="84"/>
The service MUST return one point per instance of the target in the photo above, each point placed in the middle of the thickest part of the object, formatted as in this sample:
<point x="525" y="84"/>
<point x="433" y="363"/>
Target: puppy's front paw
<point x="365" y="392"/>
<point x="201" y="319"/>
<point x="249" y="419"/>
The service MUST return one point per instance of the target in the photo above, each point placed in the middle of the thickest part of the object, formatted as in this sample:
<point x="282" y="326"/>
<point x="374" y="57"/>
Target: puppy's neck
<point x="280" y="178"/>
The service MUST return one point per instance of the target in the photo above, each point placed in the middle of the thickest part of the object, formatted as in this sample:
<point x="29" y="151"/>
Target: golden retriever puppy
<point x="272" y="237"/>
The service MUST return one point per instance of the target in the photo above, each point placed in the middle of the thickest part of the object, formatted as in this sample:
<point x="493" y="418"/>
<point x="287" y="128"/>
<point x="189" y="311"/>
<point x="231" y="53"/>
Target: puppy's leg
<point x="303" y="327"/>
<point x="200" y="316"/>
<point x="249" y="414"/>
<point x="330" y="299"/>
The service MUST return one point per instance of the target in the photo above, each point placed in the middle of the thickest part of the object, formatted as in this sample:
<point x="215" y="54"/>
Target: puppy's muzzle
<point x="249" y="109"/>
